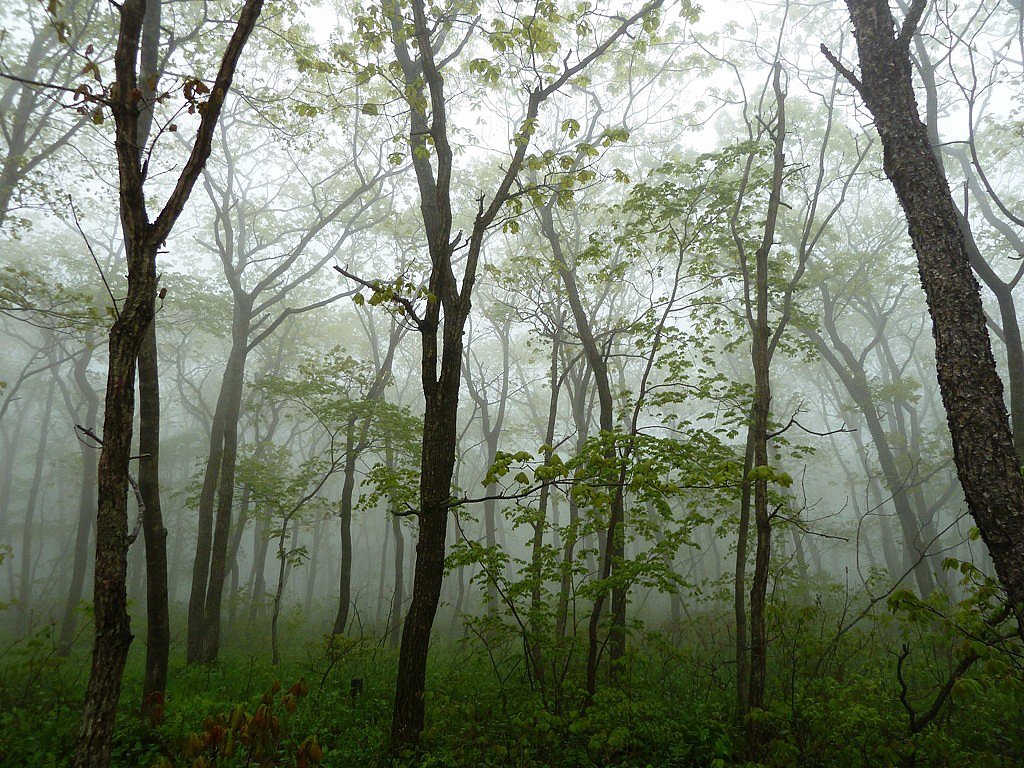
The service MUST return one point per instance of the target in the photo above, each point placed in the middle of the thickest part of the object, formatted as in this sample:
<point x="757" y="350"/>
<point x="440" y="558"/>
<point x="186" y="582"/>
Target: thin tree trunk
<point x="234" y="381"/>
<point x="142" y="238"/>
<point x="398" y="595"/>
<point x="261" y="548"/>
<point x="234" y="547"/>
<point x="25" y="585"/>
<point x="740" y="581"/>
<point x="760" y="414"/>
<point x="347" y="489"/>
<point x="314" y="566"/>
<point x="86" y="501"/>
<point x="158" y="626"/>
<point x="612" y="550"/>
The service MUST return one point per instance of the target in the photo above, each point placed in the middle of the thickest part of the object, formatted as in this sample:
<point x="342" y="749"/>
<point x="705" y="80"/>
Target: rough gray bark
<point x="972" y="391"/>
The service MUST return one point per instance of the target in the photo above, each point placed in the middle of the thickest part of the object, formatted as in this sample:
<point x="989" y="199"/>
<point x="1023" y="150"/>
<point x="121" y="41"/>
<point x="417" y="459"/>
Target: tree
<point x="34" y="124"/>
<point x="972" y="391"/>
<point x="423" y="49"/>
<point x="142" y="238"/>
<point x="246" y="211"/>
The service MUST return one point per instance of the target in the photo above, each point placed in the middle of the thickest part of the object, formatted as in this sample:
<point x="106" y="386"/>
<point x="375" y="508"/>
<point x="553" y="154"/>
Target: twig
<point x="103" y="277"/>
<point x="841" y="68"/>
<point x="405" y="303"/>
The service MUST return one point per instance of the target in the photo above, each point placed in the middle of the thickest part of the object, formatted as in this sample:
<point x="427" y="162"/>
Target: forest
<point x="572" y="383"/>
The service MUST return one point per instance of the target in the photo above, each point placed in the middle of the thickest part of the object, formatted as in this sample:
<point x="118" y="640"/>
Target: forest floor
<point x="833" y="702"/>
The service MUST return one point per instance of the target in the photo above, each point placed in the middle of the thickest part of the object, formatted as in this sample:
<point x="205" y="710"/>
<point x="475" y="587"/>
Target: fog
<point x="582" y="337"/>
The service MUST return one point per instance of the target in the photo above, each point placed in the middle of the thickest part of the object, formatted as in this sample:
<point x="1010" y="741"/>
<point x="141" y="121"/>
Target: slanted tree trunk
<point x="612" y="551"/>
<point x="1002" y="290"/>
<point x="204" y="616"/>
<point x="972" y="392"/>
<point x="850" y="370"/>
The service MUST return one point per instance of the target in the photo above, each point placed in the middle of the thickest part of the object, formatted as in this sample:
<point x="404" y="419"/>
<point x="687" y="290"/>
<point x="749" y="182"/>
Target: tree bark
<point x="398" y="595"/>
<point x="612" y="551"/>
<point x="142" y="239"/>
<point x="441" y="339"/>
<point x="158" y="629"/>
<point x="971" y="389"/>
<point x="759" y="416"/>
<point x="850" y="370"/>
<point x="234" y="384"/>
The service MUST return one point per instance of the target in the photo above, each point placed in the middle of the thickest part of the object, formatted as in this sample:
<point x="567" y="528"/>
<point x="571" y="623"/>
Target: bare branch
<point x="841" y="68"/>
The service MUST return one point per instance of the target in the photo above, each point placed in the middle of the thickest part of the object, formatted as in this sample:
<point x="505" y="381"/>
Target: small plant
<point x="243" y="737"/>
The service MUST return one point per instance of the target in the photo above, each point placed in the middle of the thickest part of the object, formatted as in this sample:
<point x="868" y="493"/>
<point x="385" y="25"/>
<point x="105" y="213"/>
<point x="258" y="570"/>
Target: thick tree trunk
<point x="437" y="468"/>
<point x="1003" y="291"/>
<point x="983" y="449"/>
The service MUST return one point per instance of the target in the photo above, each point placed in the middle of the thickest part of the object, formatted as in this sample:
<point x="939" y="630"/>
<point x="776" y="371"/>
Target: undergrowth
<point x="841" y="702"/>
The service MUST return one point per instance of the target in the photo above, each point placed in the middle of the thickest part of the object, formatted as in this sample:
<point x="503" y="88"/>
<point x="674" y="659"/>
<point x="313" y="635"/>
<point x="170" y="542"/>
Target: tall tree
<point x="34" y="127"/>
<point x="158" y="622"/>
<point x="261" y="289"/>
<point x="986" y="461"/>
<point x="142" y="238"/>
<point x="423" y="48"/>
